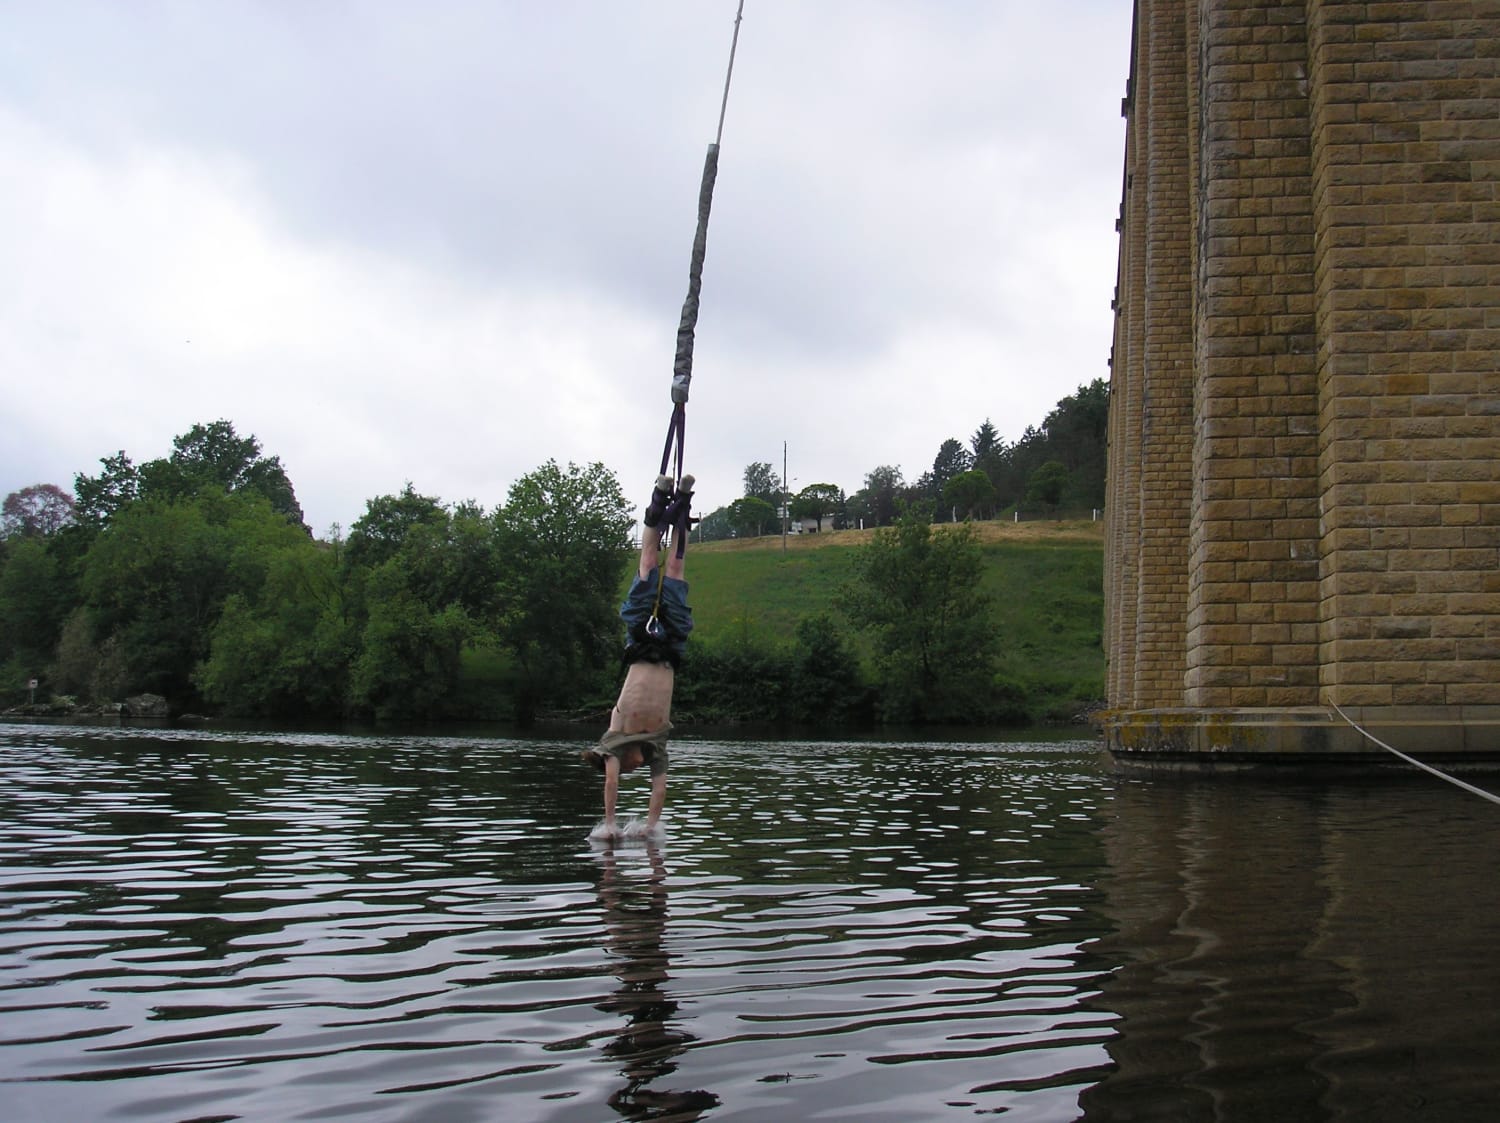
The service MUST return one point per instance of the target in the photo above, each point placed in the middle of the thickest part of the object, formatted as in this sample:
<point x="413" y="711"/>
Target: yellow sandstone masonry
<point x="1304" y="495"/>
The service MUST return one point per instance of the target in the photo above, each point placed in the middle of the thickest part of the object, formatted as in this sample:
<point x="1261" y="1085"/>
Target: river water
<point x="258" y="926"/>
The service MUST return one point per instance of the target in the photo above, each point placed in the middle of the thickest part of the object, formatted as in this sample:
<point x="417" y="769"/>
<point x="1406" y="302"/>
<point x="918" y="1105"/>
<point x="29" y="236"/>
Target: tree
<point x="952" y="460"/>
<point x="1077" y="436"/>
<point x="825" y="683"/>
<point x="206" y="456"/>
<point x="761" y="482"/>
<point x="883" y="487"/>
<point x="215" y="455"/>
<point x="35" y="599"/>
<point x="858" y="511"/>
<point x="818" y="501"/>
<point x="985" y="442"/>
<point x="749" y="516"/>
<point x="156" y="578"/>
<point x="715" y="526"/>
<point x="286" y="651"/>
<point x="94" y="670"/>
<point x="971" y="493"/>
<point x="377" y="625"/>
<point x="564" y="541"/>
<point x="1074" y="435"/>
<point x="379" y="534"/>
<point x="100" y="498"/>
<point x="38" y="511"/>
<point x="1047" y="484"/>
<point x="916" y="590"/>
<point x="410" y="653"/>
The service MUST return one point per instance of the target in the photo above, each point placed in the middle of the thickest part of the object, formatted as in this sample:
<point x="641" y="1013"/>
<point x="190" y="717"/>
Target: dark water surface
<point x="206" y="926"/>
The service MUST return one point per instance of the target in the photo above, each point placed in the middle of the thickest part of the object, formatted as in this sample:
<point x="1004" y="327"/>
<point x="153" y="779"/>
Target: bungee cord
<point x="682" y="366"/>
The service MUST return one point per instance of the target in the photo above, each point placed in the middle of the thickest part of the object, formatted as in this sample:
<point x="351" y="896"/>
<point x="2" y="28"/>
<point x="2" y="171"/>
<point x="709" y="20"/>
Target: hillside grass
<point x="1045" y="578"/>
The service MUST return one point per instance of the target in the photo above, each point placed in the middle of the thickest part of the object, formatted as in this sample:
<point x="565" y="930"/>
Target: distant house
<point x="809" y="525"/>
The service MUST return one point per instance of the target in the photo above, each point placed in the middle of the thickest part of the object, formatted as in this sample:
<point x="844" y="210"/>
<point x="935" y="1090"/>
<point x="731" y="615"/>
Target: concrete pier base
<point x="1210" y="740"/>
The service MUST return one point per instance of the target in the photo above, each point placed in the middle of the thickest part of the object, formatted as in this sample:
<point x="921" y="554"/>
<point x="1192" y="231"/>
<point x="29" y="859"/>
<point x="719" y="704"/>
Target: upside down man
<point x="657" y="622"/>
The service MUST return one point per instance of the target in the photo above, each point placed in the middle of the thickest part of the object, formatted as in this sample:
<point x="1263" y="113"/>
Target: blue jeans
<point x="673" y="615"/>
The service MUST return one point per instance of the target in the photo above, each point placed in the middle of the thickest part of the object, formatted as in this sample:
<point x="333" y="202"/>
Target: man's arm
<point x="611" y="789"/>
<point x="658" y="799"/>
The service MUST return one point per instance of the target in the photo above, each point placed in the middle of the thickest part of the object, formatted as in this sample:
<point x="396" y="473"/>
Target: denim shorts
<point x="674" y="616"/>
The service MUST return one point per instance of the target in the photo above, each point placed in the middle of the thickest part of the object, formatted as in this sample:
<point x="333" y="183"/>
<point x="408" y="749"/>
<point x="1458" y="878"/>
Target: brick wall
<point x="1305" y="394"/>
<point x="1151" y="413"/>
<point x="1406" y="162"/>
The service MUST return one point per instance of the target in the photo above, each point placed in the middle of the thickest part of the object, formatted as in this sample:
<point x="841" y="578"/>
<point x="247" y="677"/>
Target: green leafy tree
<point x="884" y="489"/>
<point x="916" y="591"/>
<point x="826" y="686"/>
<point x="99" y="498"/>
<point x="1016" y="464"/>
<point x="1047" y="485"/>
<point x="214" y="455"/>
<point x="715" y="526"/>
<point x="952" y="460"/>
<point x="157" y="578"/>
<point x="761" y="482"/>
<point x="738" y="680"/>
<point x="286" y="649"/>
<point x="818" y="501"/>
<point x="389" y="520"/>
<point x="1077" y="436"/>
<point x="420" y="580"/>
<point x="970" y="493"/>
<point x="1074" y="435"/>
<point x="35" y="598"/>
<point x="375" y="625"/>
<point x="91" y="669"/>
<point x="564" y="539"/>
<point x="749" y="516"/>
<point x="410" y="654"/>
<point x="858" y="511"/>
<point x="206" y="457"/>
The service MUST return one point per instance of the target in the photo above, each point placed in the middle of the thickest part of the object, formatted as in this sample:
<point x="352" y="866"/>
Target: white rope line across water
<point x="1441" y="775"/>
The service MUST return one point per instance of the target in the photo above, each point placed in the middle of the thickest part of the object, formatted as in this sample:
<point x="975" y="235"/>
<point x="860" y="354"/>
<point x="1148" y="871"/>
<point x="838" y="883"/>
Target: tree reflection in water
<point x="648" y="1044"/>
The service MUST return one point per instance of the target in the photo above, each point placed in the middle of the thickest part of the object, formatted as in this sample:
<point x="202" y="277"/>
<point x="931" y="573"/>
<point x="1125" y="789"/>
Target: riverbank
<point x="1045" y="582"/>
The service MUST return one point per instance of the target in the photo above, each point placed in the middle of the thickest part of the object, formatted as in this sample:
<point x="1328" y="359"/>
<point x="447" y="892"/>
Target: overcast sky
<point x="443" y="242"/>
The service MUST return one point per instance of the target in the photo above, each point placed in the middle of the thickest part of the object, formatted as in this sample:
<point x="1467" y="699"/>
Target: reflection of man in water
<point x="635" y="923"/>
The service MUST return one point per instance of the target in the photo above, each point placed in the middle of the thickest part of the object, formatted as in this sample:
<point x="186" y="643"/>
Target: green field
<point x="1046" y="581"/>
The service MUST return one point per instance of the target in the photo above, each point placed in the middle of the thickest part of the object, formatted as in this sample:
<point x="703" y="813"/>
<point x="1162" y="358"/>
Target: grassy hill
<point x="1046" y="579"/>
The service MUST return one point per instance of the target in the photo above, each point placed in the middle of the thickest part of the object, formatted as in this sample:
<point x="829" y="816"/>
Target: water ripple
<point x="297" y="927"/>
<point x="302" y="927"/>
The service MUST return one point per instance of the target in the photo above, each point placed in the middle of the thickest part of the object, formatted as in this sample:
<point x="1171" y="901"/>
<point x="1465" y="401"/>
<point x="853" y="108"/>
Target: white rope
<point x="1412" y="760"/>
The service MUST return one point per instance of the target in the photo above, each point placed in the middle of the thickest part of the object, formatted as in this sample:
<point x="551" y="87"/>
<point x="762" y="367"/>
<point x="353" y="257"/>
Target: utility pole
<point x="786" y="499"/>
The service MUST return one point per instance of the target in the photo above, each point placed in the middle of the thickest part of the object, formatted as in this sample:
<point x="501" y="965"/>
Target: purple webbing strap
<point x="676" y="434"/>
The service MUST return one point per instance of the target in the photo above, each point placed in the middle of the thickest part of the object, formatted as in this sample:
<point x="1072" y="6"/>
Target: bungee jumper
<point x="655" y="611"/>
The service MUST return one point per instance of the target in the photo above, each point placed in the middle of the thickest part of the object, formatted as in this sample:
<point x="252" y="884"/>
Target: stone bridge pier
<point x="1304" y="448"/>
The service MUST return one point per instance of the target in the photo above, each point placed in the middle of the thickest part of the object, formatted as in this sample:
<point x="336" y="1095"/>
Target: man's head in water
<point x="631" y="757"/>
